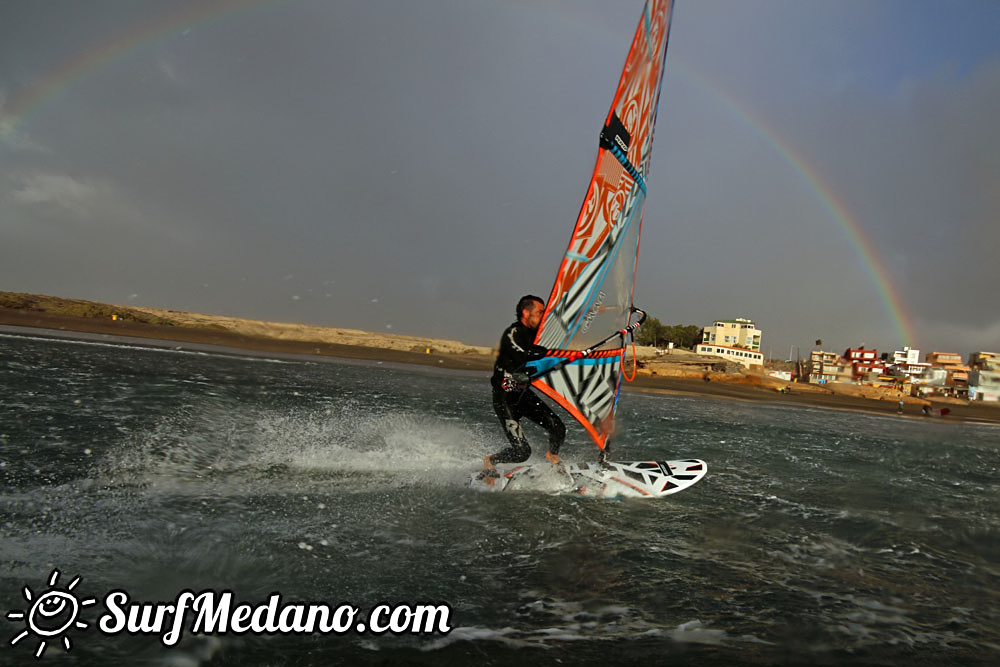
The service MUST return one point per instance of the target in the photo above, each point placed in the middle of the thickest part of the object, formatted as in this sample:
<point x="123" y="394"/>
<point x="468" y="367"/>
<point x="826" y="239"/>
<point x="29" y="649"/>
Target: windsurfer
<point x="513" y="398"/>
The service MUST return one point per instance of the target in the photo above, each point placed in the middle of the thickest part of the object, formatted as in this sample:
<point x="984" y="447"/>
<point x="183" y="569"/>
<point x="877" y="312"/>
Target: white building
<point x="906" y="356"/>
<point x="907" y="362"/>
<point x="984" y="385"/>
<point x="740" y="355"/>
<point x="984" y="379"/>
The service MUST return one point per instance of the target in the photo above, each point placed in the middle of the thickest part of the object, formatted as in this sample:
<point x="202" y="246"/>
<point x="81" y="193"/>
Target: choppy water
<point x="817" y="536"/>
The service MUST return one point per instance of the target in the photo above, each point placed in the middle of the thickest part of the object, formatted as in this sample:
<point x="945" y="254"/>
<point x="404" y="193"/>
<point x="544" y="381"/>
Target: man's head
<point x="529" y="311"/>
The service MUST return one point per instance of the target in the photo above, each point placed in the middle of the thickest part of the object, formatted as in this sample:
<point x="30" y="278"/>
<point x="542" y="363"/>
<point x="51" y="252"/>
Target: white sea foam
<point x="215" y="447"/>
<point x="604" y="624"/>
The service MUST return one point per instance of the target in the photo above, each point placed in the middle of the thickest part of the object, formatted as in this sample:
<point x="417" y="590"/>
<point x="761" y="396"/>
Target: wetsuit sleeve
<point x="516" y="348"/>
<point x="523" y="348"/>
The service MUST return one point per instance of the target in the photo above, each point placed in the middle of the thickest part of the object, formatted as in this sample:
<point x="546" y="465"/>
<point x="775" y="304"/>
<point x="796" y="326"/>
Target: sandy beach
<point x="679" y="372"/>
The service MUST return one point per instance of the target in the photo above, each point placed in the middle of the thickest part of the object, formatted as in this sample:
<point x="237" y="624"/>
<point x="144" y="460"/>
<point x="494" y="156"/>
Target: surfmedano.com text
<point x="213" y="613"/>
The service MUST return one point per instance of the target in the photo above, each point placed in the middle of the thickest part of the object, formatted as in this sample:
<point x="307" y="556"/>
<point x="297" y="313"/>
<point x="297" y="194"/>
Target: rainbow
<point x="834" y="206"/>
<point x="24" y="105"/>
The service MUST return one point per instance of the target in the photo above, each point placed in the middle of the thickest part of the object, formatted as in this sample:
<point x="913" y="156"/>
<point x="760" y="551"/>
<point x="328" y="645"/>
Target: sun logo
<point x="51" y="614"/>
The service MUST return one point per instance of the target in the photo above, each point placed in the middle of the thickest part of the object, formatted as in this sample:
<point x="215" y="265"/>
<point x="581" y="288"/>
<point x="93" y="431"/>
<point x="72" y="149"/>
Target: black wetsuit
<point x="513" y="398"/>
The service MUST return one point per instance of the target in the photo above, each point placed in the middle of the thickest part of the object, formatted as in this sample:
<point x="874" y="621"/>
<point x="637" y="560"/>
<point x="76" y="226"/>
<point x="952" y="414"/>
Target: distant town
<point x="939" y="374"/>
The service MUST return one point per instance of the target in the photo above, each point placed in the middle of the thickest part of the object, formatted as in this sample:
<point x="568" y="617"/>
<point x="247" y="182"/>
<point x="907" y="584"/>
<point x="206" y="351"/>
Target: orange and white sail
<point x="592" y="294"/>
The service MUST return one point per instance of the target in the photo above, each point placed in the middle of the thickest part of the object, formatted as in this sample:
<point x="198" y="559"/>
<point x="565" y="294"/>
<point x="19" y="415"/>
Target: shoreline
<point x="222" y="341"/>
<point x="66" y="325"/>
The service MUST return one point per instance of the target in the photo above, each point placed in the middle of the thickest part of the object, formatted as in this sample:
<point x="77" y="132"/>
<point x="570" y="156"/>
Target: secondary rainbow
<point x="24" y="105"/>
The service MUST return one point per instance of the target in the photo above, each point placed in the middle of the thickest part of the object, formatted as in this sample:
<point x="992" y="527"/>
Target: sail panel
<point x="592" y="294"/>
<point x="588" y="390"/>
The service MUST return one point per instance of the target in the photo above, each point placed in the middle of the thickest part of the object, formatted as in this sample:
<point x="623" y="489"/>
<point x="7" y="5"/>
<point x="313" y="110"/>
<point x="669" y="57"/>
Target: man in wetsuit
<point x="513" y="398"/>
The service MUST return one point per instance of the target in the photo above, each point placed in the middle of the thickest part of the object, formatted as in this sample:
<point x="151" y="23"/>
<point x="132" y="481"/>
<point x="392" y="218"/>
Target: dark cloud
<point x="420" y="165"/>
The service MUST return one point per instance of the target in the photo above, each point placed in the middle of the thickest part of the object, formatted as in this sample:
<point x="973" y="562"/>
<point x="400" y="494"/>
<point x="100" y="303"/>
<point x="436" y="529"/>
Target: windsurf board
<point x="626" y="479"/>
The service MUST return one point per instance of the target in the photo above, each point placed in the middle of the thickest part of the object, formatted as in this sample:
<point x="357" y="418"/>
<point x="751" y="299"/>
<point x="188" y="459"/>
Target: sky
<point x="828" y="169"/>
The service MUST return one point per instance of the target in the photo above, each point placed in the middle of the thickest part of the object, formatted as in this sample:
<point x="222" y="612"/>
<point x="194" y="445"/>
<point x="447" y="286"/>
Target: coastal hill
<point x="36" y="310"/>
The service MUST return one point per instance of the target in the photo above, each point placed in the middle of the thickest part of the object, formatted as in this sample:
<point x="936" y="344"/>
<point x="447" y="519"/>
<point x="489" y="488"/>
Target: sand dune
<point x="303" y="332"/>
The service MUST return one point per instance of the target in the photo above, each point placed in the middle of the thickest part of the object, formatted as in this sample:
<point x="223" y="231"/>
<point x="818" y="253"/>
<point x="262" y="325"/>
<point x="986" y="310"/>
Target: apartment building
<point x="864" y="362"/>
<point x="984" y="376"/>
<point x="906" y="363"/>
<point x="987" y="361"/>
<point x="825" y="367"/>
<point x="958" y="373"/>
<point x="733" y="333"/>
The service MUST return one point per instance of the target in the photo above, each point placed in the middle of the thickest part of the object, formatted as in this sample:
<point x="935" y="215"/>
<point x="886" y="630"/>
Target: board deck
<point x="627" y="479"/>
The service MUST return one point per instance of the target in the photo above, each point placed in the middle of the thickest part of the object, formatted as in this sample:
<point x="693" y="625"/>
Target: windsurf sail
<point x="592" y="294"/>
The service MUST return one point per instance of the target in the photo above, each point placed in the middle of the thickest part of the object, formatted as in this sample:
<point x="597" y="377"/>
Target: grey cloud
<point x="434" y="155"/>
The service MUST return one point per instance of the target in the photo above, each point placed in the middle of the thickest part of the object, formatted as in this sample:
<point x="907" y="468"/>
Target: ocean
<point x="818" y="536"/>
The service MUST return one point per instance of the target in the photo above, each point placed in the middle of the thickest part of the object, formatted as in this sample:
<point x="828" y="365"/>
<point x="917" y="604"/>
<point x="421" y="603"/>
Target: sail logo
<point x="52" y="614"/>
<point x="594" y="310"/>
<point x="622" y="144"/>
<point x="615" y="134"/>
